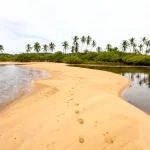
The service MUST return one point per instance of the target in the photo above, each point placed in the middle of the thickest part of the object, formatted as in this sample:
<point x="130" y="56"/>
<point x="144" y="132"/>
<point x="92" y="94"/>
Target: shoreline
<point x="33" y="86"/>
<point x="51" y="113"/>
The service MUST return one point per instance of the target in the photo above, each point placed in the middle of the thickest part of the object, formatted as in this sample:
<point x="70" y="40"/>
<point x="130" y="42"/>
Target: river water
<point x="17" y="81"/>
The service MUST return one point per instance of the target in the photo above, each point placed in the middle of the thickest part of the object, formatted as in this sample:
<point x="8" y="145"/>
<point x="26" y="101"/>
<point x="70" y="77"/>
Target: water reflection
<point x="139" y="93"/>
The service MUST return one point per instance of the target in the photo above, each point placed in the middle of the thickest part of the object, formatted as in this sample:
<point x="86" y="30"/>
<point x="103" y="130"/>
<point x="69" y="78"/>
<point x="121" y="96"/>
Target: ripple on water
<point x="16" y="81"/>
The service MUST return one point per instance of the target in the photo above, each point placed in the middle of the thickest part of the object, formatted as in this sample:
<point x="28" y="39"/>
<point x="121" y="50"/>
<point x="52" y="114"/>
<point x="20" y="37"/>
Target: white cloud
<point x="107" y="21"/>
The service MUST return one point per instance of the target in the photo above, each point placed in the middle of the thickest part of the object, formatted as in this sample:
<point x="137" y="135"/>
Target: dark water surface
<point x="17" y="81"/>
<point x="139" y="93"/>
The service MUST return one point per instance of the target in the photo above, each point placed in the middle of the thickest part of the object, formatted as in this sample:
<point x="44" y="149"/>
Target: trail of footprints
<point x="80" y="120"/>
<point x="107" y="137"/>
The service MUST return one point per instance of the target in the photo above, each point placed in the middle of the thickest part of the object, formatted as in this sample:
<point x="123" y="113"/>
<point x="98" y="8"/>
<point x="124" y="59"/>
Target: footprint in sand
<point x="95" y="123"/>
<point x="53" y="142"/>
<point x="76" y="104"/>
<point x="81" y="121"/>
<point x="81" y="139"/>
<point x="108" y="138"/>
<point x="76" y="111"/>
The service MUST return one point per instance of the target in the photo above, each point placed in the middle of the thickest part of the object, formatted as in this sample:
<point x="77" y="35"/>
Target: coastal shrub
<point x="73" y="60"/>
<point x="89" y="56"/>
<point x="138" y="60"/>
<point x="58" y="57"/>
<point x="6" y="57"/>
<point x="108" y="57"/>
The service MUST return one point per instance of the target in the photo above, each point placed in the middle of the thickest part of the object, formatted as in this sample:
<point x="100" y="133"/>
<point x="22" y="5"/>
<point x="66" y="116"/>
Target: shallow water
<point x="17" y="81"/>
<point x="139" y="93"/>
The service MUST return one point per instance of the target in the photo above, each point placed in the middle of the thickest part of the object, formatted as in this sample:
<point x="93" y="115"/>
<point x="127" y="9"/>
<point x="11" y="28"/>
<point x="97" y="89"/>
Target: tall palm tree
<point x="45" y="48"/>
<point x="132" y="43"/>
<point x="37" y="47"/>
<point x="144" y="39"/>
<point x="76" y="47"/>
<point x="88" y="41"/>
<point x="147" y="45"/>
<point x="83" y="41"/>
<point x="135" y="48"/>
<point x="65" y="45"/>
<point x="52" y="46"/>
<point x="1" y="48"/>
<point x="75" y="39"/>
<point x="108" y="47"/>
<point x="93" y="44"/>
<point x="98" y="49"/>
<point x="141" y="48"/>
<point x="28" y="48"/>
<point x="124" y="45"/>
<point x="72" y="49"/>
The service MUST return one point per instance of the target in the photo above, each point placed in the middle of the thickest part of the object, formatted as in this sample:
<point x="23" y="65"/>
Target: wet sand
<point x="76" y="109"/>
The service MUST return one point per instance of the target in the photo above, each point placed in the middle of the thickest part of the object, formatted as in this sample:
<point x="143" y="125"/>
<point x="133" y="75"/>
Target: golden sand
<point x="76" y="109"/>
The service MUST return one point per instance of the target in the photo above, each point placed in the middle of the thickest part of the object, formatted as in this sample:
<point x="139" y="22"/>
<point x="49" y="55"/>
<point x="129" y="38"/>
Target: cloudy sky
<point x="107" y="21"/>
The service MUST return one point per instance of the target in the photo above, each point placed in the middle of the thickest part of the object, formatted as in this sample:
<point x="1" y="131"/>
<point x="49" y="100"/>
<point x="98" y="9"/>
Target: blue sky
<point x="107" y="21"/>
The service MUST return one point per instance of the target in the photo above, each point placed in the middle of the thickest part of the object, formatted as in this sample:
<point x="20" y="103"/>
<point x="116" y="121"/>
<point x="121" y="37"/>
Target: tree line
<point x="37" y="47"/>
<point x="78" y="45"/>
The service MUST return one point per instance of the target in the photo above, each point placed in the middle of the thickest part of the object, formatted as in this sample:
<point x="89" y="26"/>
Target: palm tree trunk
<point x="82" y="47"/>
<point x="87" y="47"/>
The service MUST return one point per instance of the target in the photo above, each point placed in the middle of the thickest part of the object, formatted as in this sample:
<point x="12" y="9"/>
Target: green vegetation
<point x="130" y="53"/>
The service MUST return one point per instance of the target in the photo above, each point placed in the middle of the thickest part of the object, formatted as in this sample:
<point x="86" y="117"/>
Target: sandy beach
<point x="75" y="109"/>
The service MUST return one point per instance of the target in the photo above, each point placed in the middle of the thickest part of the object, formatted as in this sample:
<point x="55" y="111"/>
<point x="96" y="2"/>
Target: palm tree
<point x="75" y="39"/>
<point x="144" y="39"/>
<point x="83" y="40"/>
<point x="108" y="47"/>
<point x="37" y="47"/>
<point x="72" y="49"/>
<point x="147" y="45"/>
<point x="93" y="44"/>
<point x="141" y="47"/>
<point x="134" y="48"/>
<point x="115" y="49"/>
<point x="28" y="48"/>
<point x="76" y="47"/>
<point x="98" y="49"/>
<point x="88" y="41"/>
<point x="52" y="46"/>
<point x="124" y="45"/>
<point x="132" y="42"/>
<point x="45" y="48"/>
<point x="1" y="48"/>
<point x="65" y="45"/>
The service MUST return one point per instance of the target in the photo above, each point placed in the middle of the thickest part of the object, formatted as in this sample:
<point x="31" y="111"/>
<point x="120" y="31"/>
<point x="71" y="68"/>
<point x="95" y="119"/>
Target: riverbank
<point x="76" y="109"/>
